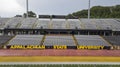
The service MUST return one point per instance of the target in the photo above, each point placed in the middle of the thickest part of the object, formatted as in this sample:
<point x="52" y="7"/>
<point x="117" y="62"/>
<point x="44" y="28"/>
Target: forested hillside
<point x="99" y="12"/>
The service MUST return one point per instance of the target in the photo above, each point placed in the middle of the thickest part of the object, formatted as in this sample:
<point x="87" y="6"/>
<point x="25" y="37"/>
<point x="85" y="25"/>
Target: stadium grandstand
<point x="59" y="32"/>
<point x="86" y="38"/>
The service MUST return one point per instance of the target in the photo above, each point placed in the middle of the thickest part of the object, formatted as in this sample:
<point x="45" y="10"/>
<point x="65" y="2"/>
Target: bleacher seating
<point x="51" y="40"/>
<point x="43" y="24"/>
<point x="105" y="24"/>
<point x="111" y="24"/>
<point x="26" y="40"/>
<point x="83" y="23"/>
<point x="61" y="40"/>
<point x="118" y="20"/>
<point x="74" y="24"/>
<point x="3" y="22"/>
<point x="4" y="39"/>
<point x="114" y="40"/>
<point x="14" y="22"/>
<point x="59" y="24"/>
<point x="90" y="40"/>
<point x="87" y="24"/>
<point x="28" y="23"/>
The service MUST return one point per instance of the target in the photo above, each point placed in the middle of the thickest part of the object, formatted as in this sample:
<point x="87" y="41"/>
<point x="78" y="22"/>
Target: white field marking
<point x="32" y="63"/>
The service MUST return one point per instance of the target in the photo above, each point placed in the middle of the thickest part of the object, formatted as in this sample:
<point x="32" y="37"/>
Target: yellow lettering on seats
<point x="60" y="47"/>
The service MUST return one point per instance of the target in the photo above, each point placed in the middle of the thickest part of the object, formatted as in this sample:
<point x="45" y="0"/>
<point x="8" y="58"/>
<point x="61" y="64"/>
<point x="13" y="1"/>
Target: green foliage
<point x="30" y="14"/>
<point x="99" y="12"/>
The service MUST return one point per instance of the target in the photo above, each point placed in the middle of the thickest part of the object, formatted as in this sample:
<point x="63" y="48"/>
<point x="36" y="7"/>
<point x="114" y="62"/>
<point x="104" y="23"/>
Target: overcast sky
<point x="9" y="8"/>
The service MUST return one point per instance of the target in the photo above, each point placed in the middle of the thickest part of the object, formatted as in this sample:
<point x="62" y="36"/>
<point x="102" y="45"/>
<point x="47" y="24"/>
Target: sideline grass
<point x="59" y="59"/>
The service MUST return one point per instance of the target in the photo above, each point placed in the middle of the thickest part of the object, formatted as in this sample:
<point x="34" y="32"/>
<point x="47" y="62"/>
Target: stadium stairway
<point x="67" y="25"/>
<point x="50" y="25"/>
<point x="43" y="39"/>
<point x="107" y="42"/>
<point x="82" y="25"/>
<point x="75" y="40"/>
<point x="113" y="41"/>
<point x="19" y="24"/>
<point x="34" y="25"/>
<point x="8" y="42"/>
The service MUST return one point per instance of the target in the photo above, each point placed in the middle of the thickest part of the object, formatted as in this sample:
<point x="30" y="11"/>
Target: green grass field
<point x="65" y="65"/>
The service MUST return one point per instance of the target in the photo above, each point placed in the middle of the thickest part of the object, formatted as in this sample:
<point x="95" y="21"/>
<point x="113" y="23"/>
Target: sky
<point x="10" y="8"/>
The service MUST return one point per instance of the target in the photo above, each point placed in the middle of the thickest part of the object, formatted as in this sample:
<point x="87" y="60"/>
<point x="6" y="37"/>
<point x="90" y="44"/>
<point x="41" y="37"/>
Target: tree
<point x="30" y="14"/>
<point x="18" y="16"/>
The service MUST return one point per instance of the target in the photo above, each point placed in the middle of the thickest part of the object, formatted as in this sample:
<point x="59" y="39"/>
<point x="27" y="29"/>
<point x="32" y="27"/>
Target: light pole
<point x="27" y="8"/>
<point x="89" y="11"/>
